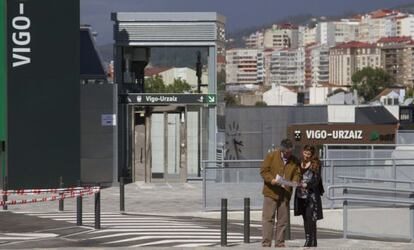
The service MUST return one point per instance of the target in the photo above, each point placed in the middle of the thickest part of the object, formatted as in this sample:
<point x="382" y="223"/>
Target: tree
<point x="409" y="93"/>
<point x="369" y="82"/>
<point x="179" y="86"/>
<point x="221" y="80"/>
<point x="260" y="104"/>
<point x="155" y="84"/>
<point x="230" y="99"/>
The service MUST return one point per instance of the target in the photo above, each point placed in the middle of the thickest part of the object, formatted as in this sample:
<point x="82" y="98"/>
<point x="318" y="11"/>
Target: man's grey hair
<point x="286" y="144"/>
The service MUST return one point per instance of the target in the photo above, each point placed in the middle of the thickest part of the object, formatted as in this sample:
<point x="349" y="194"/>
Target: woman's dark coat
<point x="315" y="190"/>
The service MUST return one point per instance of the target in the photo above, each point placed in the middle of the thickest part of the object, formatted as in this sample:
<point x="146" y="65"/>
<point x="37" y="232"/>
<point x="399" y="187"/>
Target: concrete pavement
<point x="182" y="202"/>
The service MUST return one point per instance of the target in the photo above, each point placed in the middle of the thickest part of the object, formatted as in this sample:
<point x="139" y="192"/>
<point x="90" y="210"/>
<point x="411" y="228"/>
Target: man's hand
<point x="274" y="182"/>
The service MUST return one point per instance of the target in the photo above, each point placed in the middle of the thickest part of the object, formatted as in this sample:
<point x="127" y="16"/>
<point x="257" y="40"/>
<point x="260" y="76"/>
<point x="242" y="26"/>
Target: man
<point x="276" y="197"/>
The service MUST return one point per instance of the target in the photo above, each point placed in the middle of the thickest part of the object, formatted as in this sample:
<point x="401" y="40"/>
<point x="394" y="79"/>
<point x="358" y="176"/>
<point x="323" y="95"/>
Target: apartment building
<point x="282" y="36"/>
<point x="405" y="26"/>
<point x="244" y="66"/>
<point x="325" y="33"/>
<point x="408" y="61"/>
<point x="287" y="67"/>
<point x="378" y="24"/>
<point x="309" y="36"/>
<point x="346" y="30"/>
<point x="332" y="33"/>
<point x="347" y="58"/>
<point x="320" y="65"/>
<point x="392" y="56"/>
<point x="255" y="40"/>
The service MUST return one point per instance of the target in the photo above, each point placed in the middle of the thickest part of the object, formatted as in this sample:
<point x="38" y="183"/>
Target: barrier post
<point x="61" y="204"/>
<point x="98" y="209"/>
<point x="224" y="222"/>
<point x="345" y="215"/>
<point x="288" y="235"/>
<point x="121" y="194"/>
<point x="79" y="207"/>
<point x="246" y="220"/>
<point x="5" y="195"/>
<point x="411" y="218"/>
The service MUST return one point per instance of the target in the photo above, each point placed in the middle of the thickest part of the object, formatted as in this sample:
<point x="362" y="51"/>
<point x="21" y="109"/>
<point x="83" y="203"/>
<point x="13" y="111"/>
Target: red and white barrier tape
<point x="89" y="191"/>
<point x="41" y="191"/>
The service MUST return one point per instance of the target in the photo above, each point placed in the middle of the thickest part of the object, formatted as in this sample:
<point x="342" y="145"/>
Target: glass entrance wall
<point x="157" y="145"/>
<point x="192" y="144"/>
<point x="173" y="150"/>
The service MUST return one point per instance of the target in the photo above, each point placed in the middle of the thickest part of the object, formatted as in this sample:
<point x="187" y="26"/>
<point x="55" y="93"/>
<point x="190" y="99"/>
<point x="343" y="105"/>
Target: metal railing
<point x="241" y="178"/>
<point x="393" y="168"/>
<point x="371" y="199"/>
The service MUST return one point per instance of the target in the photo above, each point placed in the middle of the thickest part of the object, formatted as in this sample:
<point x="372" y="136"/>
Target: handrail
<point x="374" y="179"/>
<point x="369" y="188"/>
<point x="367" y="159"/>
<point x="378" y="200"/>
<point x="347" y="198"/>
<point x="370" y="145"/>
<point x="231" y="161"/>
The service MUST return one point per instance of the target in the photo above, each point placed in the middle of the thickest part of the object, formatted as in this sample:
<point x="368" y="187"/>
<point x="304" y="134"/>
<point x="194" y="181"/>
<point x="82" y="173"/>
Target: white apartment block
<point x="405" y="26"/>
<point x="346" y="31"/>
<point x="309" y="36"/>
<point x="378" y="24"/>
<point x="320" y="65"/>
<point x="287" y="67"/>
<point x="244" y="66"/>
<point x="332" y="33"/>
<point x="325" y="33"/>
<point x="255" y="40"/>
<point x="345" y="59"/>
<point x="282" y="36"/>
<point x="306" y="36"/>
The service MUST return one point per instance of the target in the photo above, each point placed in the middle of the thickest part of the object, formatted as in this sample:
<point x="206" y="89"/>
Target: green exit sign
<point x="211" y="99"/>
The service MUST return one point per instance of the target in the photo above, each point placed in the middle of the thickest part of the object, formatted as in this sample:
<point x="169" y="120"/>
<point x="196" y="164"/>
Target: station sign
<point x="342" y="134"/>
<point x="166" y="99"/>
<point x="43" y="92"/>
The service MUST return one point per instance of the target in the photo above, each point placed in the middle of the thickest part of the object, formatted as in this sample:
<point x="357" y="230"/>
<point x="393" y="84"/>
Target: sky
<point x="239" y="13"/>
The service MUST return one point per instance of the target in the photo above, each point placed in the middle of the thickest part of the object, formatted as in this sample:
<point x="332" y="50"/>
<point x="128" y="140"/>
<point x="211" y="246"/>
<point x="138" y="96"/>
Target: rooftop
<point x="354" y="44"/>
<point x="395" y="39"/>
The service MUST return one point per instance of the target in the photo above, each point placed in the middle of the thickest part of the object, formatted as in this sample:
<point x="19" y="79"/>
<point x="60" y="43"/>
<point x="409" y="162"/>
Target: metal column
<point x="212" y="111"/>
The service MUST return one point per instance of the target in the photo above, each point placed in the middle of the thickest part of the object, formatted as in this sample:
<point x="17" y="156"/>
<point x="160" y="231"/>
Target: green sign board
<point x="165" y="99"/>
<point x="3" y="67"/>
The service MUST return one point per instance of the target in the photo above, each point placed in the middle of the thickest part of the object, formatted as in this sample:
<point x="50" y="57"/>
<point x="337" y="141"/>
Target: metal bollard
<point x="79" y="207"/>
<point x="223" y="222"/>
<point x="5" y="195"/>
<point x="345" y="215"/>
<point x="246" y="220"/>
<point x="98" y="209"/>
<point x="412" y="220"/>
<point x="121" y="194"/>
<point x="288" y="235"/>
<point x="61" y="204"/>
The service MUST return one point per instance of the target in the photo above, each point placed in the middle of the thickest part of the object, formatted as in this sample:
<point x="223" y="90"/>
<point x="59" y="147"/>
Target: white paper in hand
<point x="280" y="180"/>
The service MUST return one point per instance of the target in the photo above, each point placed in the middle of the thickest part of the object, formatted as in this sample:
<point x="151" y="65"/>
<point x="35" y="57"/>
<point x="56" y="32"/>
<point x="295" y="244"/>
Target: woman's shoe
<point x="307" y="240"/>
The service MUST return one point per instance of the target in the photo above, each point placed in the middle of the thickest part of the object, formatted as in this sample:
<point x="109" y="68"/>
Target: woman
<point x="308" y="194"/>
